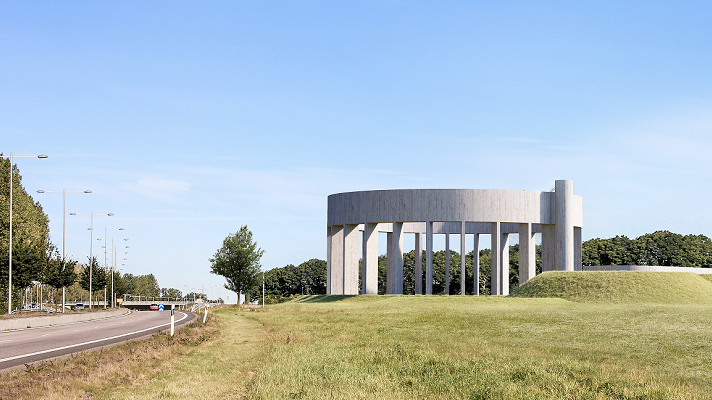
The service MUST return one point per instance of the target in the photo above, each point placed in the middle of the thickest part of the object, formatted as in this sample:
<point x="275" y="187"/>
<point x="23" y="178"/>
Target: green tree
<point x="59" y="273"/>
<point x="660" y="248"/>
<point x="30" y="235"/>
<point x="238" y="261"/>
<point x="143" y="285"/>
<point x="171" y="293"/>
<point x="98" y="278"/>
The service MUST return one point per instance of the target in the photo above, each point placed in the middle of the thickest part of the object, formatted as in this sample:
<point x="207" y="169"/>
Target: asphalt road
<point x="26" y="346"/>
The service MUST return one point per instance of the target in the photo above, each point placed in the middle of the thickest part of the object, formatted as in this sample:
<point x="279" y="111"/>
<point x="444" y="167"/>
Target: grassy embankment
<point x="634" y="343"/>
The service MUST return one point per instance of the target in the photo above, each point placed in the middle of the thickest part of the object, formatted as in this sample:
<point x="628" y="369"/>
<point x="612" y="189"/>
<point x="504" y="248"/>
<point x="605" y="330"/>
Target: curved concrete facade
<point x="557" y="215"/>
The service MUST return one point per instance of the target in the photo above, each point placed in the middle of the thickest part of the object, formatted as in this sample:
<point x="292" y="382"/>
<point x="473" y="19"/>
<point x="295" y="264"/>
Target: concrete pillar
<point x="564" y="217"/>
<point x="476" y="265"/>
<point x="578" y="256"/>
<point x="500" y="261"/>
<point x="397" y="275"/>
<point x="527" y="253"/>
<point x="462" y="258"/>
<point x="494" y="278"/>
<point x="369" y="276"/>
<point x="504" y="257"/>
<point x="389" y="261"/>
<point x="418" y="263"/>
<point x="337" y="259"/>
<point x="429" y="257"/>
<point x="447" y="263"/>
<point x="548" y="253"/>
<point x="350" y="259"/>
<point x="328" y="260"/>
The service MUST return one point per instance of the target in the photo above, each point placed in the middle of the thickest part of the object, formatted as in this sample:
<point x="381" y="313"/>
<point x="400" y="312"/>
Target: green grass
<point x="620" y="287"/>
<point x="638" y="344"/>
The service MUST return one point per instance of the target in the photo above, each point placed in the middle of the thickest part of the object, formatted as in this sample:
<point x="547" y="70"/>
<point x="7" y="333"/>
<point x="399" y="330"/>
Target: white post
<point x="263" y="289"/>
<point x="205" y="317"/>
<point x="173" y="319"/>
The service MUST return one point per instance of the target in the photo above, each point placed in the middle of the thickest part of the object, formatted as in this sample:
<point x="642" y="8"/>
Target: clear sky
<point x="190" y="119"/>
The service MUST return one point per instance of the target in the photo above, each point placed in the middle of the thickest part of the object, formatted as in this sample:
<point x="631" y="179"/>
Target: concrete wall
<point x="58" y="319"/>
<point x="557" y="215"/>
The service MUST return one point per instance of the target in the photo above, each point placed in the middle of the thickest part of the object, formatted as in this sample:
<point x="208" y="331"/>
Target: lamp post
<point x="113" y="265"/>
<point x="9" y="268"/>
<point x="91" y="247"/>
<point x="64" y="227"/>
<point x="105" y="251"/>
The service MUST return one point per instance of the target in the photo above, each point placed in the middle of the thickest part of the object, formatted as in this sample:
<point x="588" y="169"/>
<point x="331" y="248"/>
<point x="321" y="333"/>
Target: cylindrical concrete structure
<point x="564" y="225"/>
<point x="556" y="215"/>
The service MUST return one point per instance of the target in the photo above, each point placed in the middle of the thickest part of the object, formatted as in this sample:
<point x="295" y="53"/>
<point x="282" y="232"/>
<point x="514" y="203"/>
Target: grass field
<point x="404" y="347"/>
<point x="451" y="347"/>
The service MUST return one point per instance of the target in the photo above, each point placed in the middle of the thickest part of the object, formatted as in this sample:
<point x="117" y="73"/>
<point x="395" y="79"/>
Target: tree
<point x="98" y="278"/>
<point x="30" y="235"/>
<point x="144" y="285"/>
<point x="661" y="248"/>
<point x="59" y="273"/>
<point x="238" y="261"/>
<point x="171" y="293"/>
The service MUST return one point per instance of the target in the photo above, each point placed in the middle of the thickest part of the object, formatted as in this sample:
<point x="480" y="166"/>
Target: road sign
<point x="160" y="307"/>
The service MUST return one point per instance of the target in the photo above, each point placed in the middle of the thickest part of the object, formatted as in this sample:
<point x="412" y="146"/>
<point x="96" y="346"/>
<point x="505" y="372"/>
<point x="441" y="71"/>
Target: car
<point x="154" y="306"/>
<point x="79" y="306"/>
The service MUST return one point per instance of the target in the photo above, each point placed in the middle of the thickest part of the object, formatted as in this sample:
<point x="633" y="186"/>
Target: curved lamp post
<point x="9" y="270"/>
<point x="64" y="227"/>
<point x="113" y="265"/>
<point x="91" y="248"/>
<point x="105" y="251"/>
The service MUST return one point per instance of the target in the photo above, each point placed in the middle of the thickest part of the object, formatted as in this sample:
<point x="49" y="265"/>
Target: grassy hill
<point x="620" y="287"/>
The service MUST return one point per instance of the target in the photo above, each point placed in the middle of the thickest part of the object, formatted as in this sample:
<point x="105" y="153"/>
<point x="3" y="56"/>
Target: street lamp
<point x="113" y="265"/>
<point x="91" y="248"/>
<point x="64" y="225"/>
<point x="105" y="250"/>
<point x="9" y="268"/>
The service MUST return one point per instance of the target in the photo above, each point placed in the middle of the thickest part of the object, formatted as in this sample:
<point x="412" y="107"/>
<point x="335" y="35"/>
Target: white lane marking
<point x="46" y="334"/>
<point x="89" y="342"/>
<point x="3" y="341"/>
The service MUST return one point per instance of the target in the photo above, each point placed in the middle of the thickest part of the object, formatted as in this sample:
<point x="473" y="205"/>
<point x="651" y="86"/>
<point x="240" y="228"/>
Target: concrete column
<point x="548" y="253"/>
<point x="500" y="261"/>
<point x="504" y="267"/>
<point x="397" y="258"/>
<point x="370" y="259"/>
<point x="418" y="263"/>
<point x="578" y="256"/>
<point x="429" y="257"/>
<point x="476" y="265"/>
<point x="527" y="253"/>
<point x="462" y="258"/>
<point x="328" y="260"/>
<point x="495" y="287"/>
<point x="350" y="259"/>
<point x="447" y="263"/>
<point x="389" y="262"/>
<point x="337" y="259"/>
<point x="564" y="218"/>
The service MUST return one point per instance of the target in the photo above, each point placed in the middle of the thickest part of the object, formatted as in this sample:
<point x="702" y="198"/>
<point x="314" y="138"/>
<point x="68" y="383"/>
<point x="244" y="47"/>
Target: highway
<point x="25" y="346"/>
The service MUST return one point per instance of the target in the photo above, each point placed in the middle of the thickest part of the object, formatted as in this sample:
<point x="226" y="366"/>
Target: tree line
<point x="37" y="263"/>
<point x="661" y="248"/>
<point x="309" y="277"/>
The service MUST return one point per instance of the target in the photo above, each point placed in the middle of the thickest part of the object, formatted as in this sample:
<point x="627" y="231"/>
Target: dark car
<point x="154" y="306"/>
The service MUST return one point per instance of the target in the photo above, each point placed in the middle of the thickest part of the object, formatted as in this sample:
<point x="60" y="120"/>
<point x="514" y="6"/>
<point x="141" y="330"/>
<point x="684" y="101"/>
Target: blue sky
<point x="188" y="120"/>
